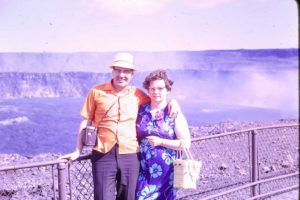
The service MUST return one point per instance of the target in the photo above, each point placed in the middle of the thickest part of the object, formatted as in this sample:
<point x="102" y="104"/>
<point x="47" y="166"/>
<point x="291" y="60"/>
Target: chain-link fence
<point x="30" y="181"/>
<point x="81" y="179"/>
<point x="235" y="159"/>
<point x="238" y="165"/>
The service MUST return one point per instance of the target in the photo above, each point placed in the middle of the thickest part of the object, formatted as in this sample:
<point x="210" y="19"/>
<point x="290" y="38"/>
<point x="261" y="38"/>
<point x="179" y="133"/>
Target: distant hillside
<point x="54" y="85"/>
<point x="212" y="85"/>
<point x="262" y="59"/>
<point x="30" y="85"/>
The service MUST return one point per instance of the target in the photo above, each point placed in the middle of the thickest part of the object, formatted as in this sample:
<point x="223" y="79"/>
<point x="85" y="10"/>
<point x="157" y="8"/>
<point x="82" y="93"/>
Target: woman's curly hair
<point x="158" y="75"/>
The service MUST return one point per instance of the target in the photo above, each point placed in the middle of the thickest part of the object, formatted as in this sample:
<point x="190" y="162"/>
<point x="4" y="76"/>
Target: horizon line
<point x="151" y="51"/>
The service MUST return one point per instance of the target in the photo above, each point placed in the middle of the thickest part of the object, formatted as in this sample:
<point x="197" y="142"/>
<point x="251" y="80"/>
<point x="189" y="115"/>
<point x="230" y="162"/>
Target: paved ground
<point x="291" y="195"/>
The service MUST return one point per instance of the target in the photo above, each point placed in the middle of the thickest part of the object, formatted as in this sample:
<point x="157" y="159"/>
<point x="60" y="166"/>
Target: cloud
<point x="203" y="4"/>
<point x="272" y="90"/>
<point x="3" y="4"/>
<point x="257" y="89"/>
<point x="125" y="7"/>
<point x="207" y="3"/>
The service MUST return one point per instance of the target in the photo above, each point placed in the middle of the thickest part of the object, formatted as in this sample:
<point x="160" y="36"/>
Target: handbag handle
<point x="187" y="152"/>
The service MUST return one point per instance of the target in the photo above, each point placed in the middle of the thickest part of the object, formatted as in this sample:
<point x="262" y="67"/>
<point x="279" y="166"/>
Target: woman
<point x="159" y="137"/>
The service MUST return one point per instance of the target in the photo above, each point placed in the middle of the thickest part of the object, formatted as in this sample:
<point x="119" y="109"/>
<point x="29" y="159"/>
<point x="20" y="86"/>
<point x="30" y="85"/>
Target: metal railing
<point x="248" y="159"/>
<point x="254" y="163"/>
<point x="41" y="180"/>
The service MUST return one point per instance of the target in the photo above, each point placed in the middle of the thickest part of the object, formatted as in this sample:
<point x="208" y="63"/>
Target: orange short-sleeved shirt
<point x="119" y="125"/>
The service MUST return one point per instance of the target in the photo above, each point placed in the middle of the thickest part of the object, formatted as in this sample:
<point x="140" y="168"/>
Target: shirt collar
<point x="109" y="87"/>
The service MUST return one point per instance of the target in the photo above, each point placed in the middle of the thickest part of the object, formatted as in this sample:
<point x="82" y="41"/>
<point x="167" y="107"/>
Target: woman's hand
<point x="155" y="141"/>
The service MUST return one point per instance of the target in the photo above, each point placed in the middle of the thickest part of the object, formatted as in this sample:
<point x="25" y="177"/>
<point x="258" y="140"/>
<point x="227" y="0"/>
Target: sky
<point x="146" y="25"/>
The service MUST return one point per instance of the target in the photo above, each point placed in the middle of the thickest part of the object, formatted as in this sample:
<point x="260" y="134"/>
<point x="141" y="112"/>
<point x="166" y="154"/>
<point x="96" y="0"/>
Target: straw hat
<point x="123" y="60"/>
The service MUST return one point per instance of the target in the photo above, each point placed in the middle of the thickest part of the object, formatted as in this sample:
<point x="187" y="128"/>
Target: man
<point x="115" y="164"/>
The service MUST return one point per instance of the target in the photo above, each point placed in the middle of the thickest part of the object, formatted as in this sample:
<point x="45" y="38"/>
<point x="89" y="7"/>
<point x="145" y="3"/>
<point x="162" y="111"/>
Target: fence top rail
<point x="275" y="192"/>
<point x="244" y="130"/>
<point x="84" y="157"/>
<point x="57" y="161"/>
<point x="249" y="185"/>
<point x="30" y="165"/>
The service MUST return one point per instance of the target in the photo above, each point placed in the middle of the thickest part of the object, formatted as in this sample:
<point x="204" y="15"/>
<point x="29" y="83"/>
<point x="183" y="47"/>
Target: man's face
<point x="121" y="76"/>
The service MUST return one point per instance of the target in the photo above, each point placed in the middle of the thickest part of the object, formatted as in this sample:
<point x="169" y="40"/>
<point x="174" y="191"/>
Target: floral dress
<point x="155" y="179"/>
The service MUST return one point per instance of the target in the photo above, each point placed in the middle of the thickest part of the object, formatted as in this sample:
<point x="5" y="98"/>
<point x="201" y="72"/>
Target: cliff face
<point x="54" y="62"/>
<point x="28" y="75"/>
<point x="145" y="61"/>
<point x="28" y="85"/>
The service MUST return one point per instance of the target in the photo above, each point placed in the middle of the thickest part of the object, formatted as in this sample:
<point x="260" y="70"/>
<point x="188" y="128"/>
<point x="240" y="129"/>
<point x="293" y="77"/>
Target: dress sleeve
<point x="89" y="106"/>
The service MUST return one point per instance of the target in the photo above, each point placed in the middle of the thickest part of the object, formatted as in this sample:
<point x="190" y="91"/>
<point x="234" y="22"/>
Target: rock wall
<point x="98" y="62"/>
<point x="30" y="85"/>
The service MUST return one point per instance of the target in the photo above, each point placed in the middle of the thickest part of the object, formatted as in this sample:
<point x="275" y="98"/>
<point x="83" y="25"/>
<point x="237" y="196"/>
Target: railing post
<point x="62" y="180"/>
<point x="254" y="163"/>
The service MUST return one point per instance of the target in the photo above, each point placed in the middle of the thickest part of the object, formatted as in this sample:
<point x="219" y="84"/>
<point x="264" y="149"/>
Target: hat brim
<point x="123" y="65"/>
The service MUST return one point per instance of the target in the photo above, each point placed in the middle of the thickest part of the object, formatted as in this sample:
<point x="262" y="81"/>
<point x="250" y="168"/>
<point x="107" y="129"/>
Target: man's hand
<point x="71" y="156"/>
<point x="173" y="108"/>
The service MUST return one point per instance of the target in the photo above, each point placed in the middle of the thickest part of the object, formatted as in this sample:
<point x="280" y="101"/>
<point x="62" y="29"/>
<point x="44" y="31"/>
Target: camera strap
<point x="107" y="111"/>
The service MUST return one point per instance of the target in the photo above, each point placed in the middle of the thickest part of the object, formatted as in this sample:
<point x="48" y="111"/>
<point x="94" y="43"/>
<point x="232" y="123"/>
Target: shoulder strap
<point x="107" y="111"/>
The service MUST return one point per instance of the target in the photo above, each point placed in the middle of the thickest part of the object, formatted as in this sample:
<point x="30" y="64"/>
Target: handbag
<point x="186" y="171"/>
<point x="89" y="133"/>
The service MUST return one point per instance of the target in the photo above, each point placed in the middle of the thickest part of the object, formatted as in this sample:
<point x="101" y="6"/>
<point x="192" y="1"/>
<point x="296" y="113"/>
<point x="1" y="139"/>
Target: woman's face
<point x="158" y="91"/>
